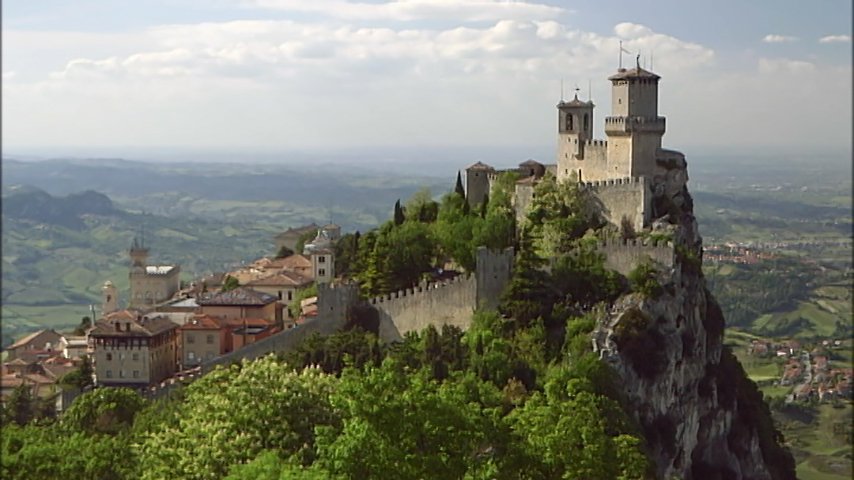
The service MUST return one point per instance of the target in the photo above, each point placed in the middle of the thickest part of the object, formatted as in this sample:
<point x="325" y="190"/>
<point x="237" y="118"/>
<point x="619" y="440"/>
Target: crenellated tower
<point x="634" y="128"/>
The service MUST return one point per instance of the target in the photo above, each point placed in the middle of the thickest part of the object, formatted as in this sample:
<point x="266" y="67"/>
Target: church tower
<point x="575" y="127"/>
<point x="634" y="128"/>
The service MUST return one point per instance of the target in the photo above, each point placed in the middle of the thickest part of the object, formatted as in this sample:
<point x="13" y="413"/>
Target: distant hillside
<point x="31" y="203"/>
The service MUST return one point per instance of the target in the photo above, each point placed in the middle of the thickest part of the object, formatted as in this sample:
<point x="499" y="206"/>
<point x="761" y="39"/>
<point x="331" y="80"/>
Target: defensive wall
<point x="445" y="303"/>
<point x="622" y="198"/>
<point x="624" y="255"/>
<point x="334" y="301"/>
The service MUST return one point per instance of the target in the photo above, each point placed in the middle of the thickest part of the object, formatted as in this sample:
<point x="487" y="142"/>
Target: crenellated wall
<point x="624" y="255"/>
<point x="451" y="303"/>
<point x="616" y="199"/>
<point x="445" y="303"/>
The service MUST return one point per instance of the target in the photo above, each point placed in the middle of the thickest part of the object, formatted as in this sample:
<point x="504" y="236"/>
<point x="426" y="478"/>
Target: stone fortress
<point x="632" y="182"/>
<point x="622" y="173"/>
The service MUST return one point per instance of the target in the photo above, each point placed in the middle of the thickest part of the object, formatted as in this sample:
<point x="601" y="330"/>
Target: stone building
<point x="150" y="284"/>
<point x="132" y="350"/>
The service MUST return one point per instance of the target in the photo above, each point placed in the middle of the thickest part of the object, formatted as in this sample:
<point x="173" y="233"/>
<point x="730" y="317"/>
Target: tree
<point x="85" y="325"/>
<point x="20" y="406"/>
<point x="230" y="283"/>
<point x="527" y="295"/>
<point x="284" y="252"/>
<point x="399" y="216"/>
<point x="233" y="414"/>
<point x="104" y="410"/>
<point x="80" y="378"/>
<point x="412" y="425"/>
<point x="421" y="207"/>
<point x="294" y="307"/>
<point x="458" y="188"/>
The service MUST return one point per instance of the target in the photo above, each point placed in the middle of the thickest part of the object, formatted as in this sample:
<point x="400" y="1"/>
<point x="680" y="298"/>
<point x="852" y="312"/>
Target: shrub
<point x="642" y="279"/>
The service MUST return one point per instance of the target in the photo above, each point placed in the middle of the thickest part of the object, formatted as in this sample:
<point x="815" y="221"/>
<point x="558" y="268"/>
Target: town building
<point x="41" y="344"/>
<point x="290" y="237"/>
<point x="242" y="302"/>
<point x="133" y="350"/>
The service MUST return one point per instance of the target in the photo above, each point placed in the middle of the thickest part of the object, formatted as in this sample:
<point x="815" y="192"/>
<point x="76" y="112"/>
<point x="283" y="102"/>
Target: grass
<point x="820" y="445"/>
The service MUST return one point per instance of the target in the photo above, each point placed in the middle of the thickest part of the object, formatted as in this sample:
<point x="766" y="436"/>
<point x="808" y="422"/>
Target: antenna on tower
<point x="621" y="55"/>
<point x="650" y="59"/>
<point x="589" y="91"/>
<point x="561" y="89"/>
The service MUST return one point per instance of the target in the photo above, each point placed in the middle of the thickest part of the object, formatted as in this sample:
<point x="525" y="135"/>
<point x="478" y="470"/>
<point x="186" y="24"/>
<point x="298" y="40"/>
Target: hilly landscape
<point x="777" y="238"/>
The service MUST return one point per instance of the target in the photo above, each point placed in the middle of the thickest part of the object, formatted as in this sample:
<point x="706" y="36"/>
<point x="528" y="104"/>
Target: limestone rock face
<point x="668" y="354"/>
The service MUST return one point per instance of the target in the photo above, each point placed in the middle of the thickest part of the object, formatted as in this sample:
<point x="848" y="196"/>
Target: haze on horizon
<point x="333" y="75"/>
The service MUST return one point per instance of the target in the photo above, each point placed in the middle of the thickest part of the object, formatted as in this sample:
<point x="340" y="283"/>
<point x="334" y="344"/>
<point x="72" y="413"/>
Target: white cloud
<point x="774" y="38"/>
<point x="9" y="75"/>
<point x="784" y="65"/>
<point x="835" y="39"/>
<point x="411" y="10"/>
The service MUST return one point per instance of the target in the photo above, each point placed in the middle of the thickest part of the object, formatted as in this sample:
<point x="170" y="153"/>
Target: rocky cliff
<point x="702" y="418"/>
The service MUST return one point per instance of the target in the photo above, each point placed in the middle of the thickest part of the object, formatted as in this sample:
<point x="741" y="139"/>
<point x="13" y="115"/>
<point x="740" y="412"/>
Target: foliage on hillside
<point x="516" y="396"/>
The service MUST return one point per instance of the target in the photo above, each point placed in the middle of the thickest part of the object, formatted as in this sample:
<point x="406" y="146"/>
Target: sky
<point x="333" y="75"/>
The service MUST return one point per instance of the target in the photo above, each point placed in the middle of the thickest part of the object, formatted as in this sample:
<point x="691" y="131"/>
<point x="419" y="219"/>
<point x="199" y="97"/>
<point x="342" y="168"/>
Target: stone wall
<point x="628" y="198"/>
<point x="333" y="305"/>
<point x="437" y="304"/>
<point x="445" y="303"/>
<point x="624" y="255"/>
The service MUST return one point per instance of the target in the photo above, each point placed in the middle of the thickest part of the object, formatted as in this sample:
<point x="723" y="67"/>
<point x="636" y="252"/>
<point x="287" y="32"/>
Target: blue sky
<point x="337" y="74"/>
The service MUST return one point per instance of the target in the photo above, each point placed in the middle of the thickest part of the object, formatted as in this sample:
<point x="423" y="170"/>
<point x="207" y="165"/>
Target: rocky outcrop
<point x="701" y="416"/>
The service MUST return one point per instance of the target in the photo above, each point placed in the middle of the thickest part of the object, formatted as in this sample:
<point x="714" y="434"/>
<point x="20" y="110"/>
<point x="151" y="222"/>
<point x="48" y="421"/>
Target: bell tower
<point x="575" y="128"/>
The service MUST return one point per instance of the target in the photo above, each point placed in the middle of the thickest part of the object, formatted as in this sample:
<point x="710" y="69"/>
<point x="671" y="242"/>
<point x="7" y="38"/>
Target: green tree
<point x="399" y="216"/>
<point x="528" y="295"/>
<point x="230" y="283"/>
<point x="411" y="425"/>
<point x="458" y="187"/>
<point x="421" y="207"/>
<point x="294" y="307"/>
<point x="233" y="414"/>
<point x="284" y="252"/>
<point x="21" y="404"/>
<point x="103" y="410"/>
<point x="85" y="324"/>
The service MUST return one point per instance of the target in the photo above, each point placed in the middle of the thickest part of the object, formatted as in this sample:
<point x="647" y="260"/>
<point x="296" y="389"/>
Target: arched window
<point x="569" y="125"/>
<point x="586" y="122"/>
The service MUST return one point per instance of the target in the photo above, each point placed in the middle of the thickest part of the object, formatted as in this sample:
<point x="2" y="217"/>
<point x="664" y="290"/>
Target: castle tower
<point x="109" y="298"/>
<point x="138" y="256"/>
<point x="634" y="128"/>
<point x="477" y="182"/>
<point x="137" y="276"/>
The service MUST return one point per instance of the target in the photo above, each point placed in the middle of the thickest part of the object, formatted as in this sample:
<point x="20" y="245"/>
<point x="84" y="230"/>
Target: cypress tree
<point x="459" y="187"/>
<point x="399" y="217"/>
